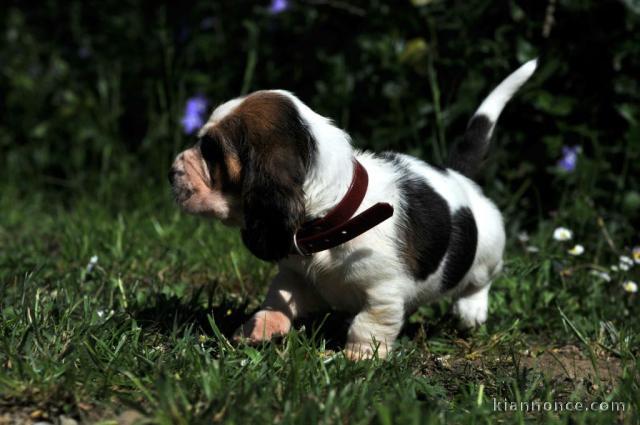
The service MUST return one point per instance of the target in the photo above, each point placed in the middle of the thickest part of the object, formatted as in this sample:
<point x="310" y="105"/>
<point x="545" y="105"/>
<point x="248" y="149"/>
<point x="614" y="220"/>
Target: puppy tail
<point x="467" y="155"/>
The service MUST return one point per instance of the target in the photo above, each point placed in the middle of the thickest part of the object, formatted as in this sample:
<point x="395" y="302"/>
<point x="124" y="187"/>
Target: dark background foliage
<point x="111" y="299"/>
<point x="92" y="92"/>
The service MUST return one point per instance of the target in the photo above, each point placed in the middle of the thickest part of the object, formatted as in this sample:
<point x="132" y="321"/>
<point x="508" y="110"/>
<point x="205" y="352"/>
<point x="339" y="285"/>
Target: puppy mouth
<point x="182" y="194"/>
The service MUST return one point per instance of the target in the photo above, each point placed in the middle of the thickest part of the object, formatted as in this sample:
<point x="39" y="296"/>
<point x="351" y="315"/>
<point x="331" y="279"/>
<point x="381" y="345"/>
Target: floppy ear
<point x="275" y="148"/>
<point x="273" y="200"/>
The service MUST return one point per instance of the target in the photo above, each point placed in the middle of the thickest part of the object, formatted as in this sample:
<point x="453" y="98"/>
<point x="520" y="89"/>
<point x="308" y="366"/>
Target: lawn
<point x="117" y="315"/>
<point x="115" y="308"/>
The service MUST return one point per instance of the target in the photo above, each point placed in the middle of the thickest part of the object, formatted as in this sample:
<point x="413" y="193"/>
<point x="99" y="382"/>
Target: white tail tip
<point x="494" y="103"/>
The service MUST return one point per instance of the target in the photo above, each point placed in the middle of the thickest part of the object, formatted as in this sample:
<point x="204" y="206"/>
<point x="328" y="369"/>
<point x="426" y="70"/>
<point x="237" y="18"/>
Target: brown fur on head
<point x="248" y="168"/>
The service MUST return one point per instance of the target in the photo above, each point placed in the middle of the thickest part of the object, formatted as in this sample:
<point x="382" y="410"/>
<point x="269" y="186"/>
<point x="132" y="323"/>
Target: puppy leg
<point x="375" y="328"/>
<point x="288" y="298"/>
<point x="472" y="307"/>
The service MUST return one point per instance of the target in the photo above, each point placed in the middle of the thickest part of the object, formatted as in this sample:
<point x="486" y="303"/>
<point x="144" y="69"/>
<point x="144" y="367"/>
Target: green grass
<point x="146" y="330"/>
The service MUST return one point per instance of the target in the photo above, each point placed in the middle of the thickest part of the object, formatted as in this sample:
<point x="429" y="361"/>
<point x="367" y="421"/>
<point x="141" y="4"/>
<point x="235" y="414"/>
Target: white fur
<point x="493" y="104"/>
<point x="219" y="113"/>
<point x="367" y="276"/>
<point x="325" y="185"/>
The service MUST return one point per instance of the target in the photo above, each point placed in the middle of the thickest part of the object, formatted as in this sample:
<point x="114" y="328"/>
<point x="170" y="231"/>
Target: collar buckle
<point x="299" y="251"/>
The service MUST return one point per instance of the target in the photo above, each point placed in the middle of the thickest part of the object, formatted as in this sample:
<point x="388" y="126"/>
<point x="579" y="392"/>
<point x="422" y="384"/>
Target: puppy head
<point x="206" y="179"/>
<point x="248" y="168"/>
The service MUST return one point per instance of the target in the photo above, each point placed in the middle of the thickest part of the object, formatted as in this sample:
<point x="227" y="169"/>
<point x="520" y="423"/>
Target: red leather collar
<point x="338" y="225"/>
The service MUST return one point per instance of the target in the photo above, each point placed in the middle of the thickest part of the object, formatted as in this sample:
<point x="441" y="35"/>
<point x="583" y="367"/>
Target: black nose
<point x="172" y="175"/>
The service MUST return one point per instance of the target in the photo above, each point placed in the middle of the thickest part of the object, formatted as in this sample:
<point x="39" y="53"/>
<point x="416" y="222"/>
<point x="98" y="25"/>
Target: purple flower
<point x="84" y="52"/>
<point x="569" y="158"/>
<point x="194" y="113"/>
<point x="278" y="6"/>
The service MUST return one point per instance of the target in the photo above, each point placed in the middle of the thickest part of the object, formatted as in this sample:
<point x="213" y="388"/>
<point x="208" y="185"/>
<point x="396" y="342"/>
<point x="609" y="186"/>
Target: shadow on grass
<point x="171" y="314"/>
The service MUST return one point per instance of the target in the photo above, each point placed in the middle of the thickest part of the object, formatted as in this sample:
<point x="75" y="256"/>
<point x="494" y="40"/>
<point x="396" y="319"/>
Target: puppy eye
<point x="210" y="149"/>
<point x="206" y="148"/>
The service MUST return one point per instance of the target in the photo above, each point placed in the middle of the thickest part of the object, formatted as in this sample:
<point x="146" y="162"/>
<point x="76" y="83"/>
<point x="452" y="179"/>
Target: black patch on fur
<point x="427" y="223"/>
<point x="396" y="159"/>
<point x="468" y="154"/>
<point x="462" y="248"/>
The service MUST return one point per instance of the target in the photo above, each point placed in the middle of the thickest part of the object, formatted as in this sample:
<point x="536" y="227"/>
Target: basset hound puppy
<point x="376" y="235"/>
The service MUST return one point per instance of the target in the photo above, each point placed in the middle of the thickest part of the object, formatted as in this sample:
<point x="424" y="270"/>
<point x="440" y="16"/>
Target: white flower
<point x="92" y="263"/>
<point x="615" y="268"/>
<point x="576" y="250"/>
<point x="533" y="249"/>
<point x="636" y="254"/>
<point x="630" y="286"/>
<point x="103" y="313"/>
<point x="626" y="260"/>
<point x="523" y="237"/>
<point x="562" y="234"/>
<point x="602" y="275"/>
<point x="625" y="263"/>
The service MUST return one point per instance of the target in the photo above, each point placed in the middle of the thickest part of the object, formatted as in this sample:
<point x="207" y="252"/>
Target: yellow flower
<point x="202" y="339"/>
<point x="636" y="254"/>
<point x="630" y="286"/>
<point x="576" y="250"/>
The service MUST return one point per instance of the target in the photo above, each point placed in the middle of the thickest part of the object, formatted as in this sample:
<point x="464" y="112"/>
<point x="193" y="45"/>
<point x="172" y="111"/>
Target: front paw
<point x="263" y="326"/>
<point x="356" y="351"/>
